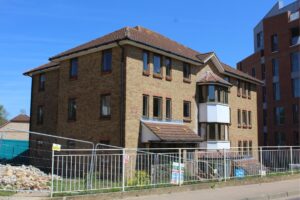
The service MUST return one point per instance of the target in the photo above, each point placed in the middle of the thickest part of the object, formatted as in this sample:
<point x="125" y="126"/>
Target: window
<point x="212" y="93"/>
<point x="157" y="64"/>
<point x="105" y="103"/>
<point x="296" y="87"/>
<point x="265" y="117"/>
<point x="295" y="38"/>
<point x="275" y="67"/>
<point x="296" y="113"/>
<point x="249" y="118"/>
<point x="74" y="68"/>
<point x="186" y="71"/>
<point x="296" y="138"/>
<point x="238" y="87"/>
<point x="276" y="91"/>
<point x="226" y="78"/>
<point x="263" y="71"/>
<point x="157" y="107"/>
<point x="240" y="147"/>
<point x="279" y="115"/>
<point x="146" y="61"/>
<point x="72" y="109"/>
<point x="168" y="108"/>
<point x="168" y="64"/>
<point x="40" y="114"/>
<point x="264" y="95"/>
<point x="244" y="89"/>
<point x="186" y="109"/>
<point x="106" y="60"/>
<point x="295" y="61"/>
<point x="249" y="90"/>
<point x="259" y="40"/>
<point x="245" y="147"/>
<point x="145" y="106"/>
<point x="42" y="79"/>
<point x="239" y="117"/>
<point x="244" y="116"/>
<point x="213" y="131"/>
<point x="253" y="72"/>
<point x="274" y="43"/>
<point x="279" y="138"/>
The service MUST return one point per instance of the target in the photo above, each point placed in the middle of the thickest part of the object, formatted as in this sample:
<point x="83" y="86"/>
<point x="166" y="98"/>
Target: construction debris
<point x="23" y="178"/>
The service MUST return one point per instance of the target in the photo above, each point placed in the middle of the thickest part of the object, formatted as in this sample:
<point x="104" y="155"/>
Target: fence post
<point x="225" y="168"/>
<point x="52" y="171"/>
<point x="261" y="164"/>
<point x="123" y="170"/>
<point x="179" y="162"/>
<point x="291" y="160"/>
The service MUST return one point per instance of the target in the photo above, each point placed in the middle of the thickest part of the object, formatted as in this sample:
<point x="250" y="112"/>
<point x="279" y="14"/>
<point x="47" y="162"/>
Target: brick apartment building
<point x="137" y="88"/>
<point x="276" y="61"/>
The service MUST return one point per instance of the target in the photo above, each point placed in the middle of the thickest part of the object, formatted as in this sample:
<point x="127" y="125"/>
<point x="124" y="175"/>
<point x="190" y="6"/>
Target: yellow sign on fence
<point x="56" y="147"/>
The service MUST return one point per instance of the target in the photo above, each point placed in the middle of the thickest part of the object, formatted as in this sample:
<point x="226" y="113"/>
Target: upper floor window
<point x="244" y="117"/>
<point x="259" y="40"/>
<point x="72" y="109"/>
<point x="275" y="67"/>
<point x="73" y="68"/>
<point x="249" y="118"/>
<point x="145" y="106"/>
<point x="244" y="89"/>
<point x="296" y="87"/>
<point x="295" y="37"/>
<point x="276" y="91"/>
<point x="249" y="90"/>
<point x="186" y="109"/>
<point x="265" y="117"/>
<point x="253" y="72"/>
<point x="263" y="71"/>
<point x="157" y="64"/>
<point x="295" y="61"/>
<point x="239" y="117"/>
<point x="168" y="64"/>
<point x="40" y="114"/>
<point x="238" y="87"/>
<point x="168" y="108"/>
<point x="213" y="93"/>
<point x="106" y="60"/>
<point x="274" y="42"/>
<point x="146" y="62"/>
<point x="105" y="103"/>
<point x="186" y="71"/>
<point x="157" y="107"/>
<point x="296" y="113"/>
<point x="42" y="80"/>
<point x="279" y="115"/>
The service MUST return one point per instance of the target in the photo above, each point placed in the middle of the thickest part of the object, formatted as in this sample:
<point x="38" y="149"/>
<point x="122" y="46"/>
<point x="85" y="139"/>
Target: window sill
<point x="244" y="126"/>
<point x="187" y="120"/>
<point x="168" y="78"/>
<point x="146" y="73"/>
<point x="105" y="72"/>
<point x="107" y="117"/>
<point x="250" y="126"/>
<point x="187" y="80"/>
<point x="159" y="76"/>
<point x="244" y="96"/>
<point x="238" y="94"/>
<point x="74" y="78"/>
<point x="239" y="126"/>
<point x="71" y="120"/>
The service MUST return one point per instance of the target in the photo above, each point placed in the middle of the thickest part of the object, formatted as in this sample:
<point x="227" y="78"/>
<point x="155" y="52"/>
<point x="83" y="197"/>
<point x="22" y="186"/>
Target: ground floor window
<point x="213" y="131"/>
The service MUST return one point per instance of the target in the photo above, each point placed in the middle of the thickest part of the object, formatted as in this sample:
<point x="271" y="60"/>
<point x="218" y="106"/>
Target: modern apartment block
<point x="137" y="88"/>
<point x="276" y="61"/>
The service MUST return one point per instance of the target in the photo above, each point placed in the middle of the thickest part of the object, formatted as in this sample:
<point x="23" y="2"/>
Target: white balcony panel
<point x="214" y="112"/>
<point x="215" y="145"/>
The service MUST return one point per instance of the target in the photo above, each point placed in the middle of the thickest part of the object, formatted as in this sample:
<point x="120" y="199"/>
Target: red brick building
<point x="276" y="61"/>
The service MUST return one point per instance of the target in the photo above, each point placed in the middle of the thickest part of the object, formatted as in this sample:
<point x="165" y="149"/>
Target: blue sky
<point x="33" y="30"/>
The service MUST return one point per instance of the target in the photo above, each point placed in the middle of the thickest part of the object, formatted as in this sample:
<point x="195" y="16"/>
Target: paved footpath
<point x="275" y="190"/>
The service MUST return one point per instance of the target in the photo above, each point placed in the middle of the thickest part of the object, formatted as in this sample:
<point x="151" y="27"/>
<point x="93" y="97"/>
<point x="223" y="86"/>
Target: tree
<point x="3" y="115"/>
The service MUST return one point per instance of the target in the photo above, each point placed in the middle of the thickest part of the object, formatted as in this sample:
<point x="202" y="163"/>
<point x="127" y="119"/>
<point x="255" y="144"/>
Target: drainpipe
<point x="122" y="95"/>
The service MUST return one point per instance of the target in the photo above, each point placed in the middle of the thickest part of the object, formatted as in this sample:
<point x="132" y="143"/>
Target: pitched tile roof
<point x="237" y="72"/>
<point x="42" y="67"/>
<point x="168" y="132"/>
<point x="21" y="118"/>
<point x="210" y="77"/>
<point x="143" y="36"/>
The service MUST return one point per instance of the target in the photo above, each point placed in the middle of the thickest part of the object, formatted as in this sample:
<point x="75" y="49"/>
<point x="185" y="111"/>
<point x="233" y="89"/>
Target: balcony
<point x="215" y="145"/>
<point x="214" y="112"/>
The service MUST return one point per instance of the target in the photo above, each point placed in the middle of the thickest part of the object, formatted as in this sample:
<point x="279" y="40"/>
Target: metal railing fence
<point x="99" y="170"/>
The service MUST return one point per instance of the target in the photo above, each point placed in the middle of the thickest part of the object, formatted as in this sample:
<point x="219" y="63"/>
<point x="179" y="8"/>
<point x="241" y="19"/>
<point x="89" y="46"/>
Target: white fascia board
<point x="43" y="70"/>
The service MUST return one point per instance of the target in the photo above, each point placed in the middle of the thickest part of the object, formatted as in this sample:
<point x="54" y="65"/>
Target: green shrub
<point x="140" y="178"/>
